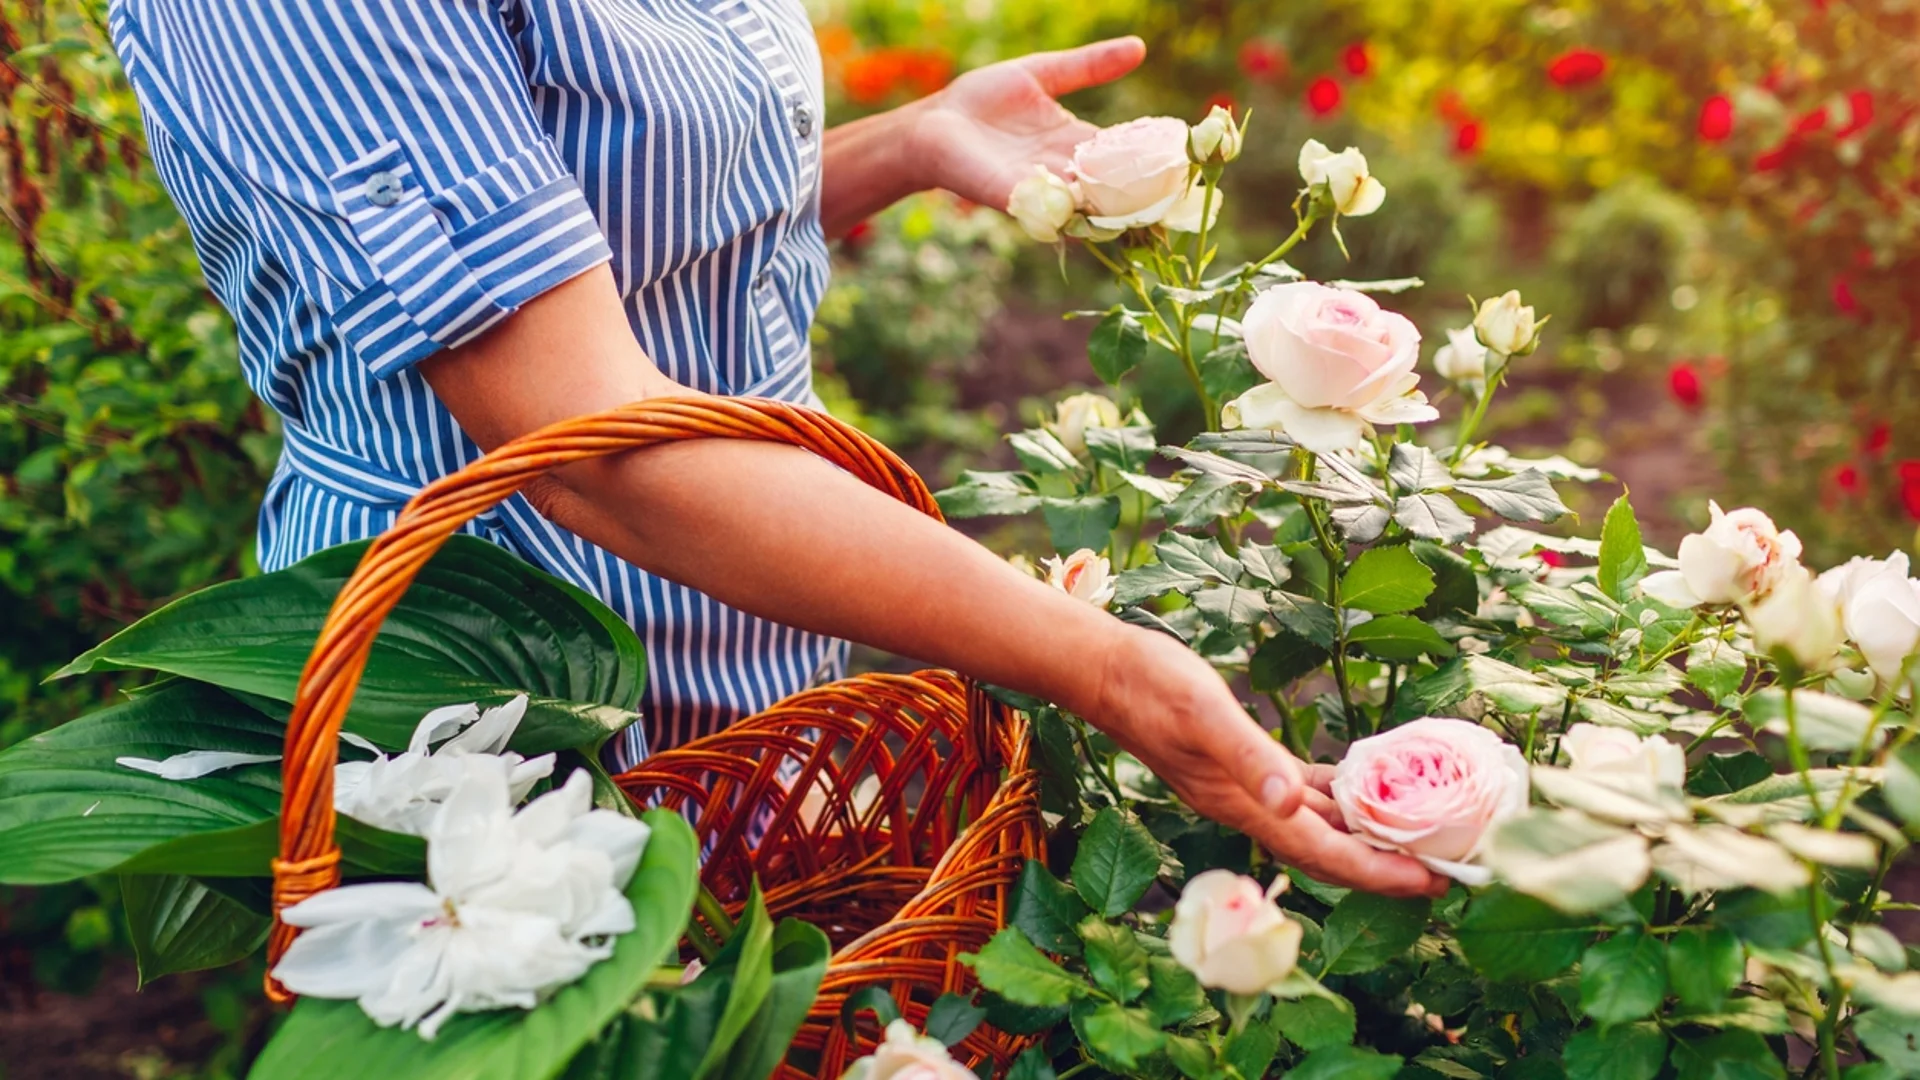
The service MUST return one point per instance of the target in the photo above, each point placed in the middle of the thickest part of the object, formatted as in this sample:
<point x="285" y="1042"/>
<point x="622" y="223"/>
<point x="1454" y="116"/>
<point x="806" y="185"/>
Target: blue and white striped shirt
<point x="370" y="181"/>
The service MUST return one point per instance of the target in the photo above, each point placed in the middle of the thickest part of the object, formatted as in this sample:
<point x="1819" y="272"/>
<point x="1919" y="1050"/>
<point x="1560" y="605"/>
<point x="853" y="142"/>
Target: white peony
<point x="402" y="793"/>
<point x="1738" y="560"/>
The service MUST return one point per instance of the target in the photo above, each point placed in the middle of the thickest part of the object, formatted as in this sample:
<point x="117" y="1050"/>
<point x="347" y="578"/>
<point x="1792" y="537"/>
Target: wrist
<point x="913" y="145"/>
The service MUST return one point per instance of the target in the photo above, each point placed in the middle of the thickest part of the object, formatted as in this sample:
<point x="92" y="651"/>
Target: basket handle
<point x="309" y="861"/>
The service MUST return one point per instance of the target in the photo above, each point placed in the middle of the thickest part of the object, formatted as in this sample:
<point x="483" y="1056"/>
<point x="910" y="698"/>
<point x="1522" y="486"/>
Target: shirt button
<point x="383" y="189"/>
<point x="803" y="119"/>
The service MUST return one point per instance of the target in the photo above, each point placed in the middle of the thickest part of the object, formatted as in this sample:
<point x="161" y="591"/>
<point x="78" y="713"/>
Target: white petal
<point x="362" y="743"/>
<point x="1365" y="199"/>
<point x="347" y="960"/>
<point x="403" y="901"/>
<point x="489" y="734"/>
<point x="1184" y="216"/>
<point x="193" y="763"/>
<point x="1465" y="873"/>
<point x="1670" y="588"/>
<point x="440" y="723"/>
<point x="1324" y="431"/>
<point x="620" y="838"/>
<point x="1408" y="409"/>
<point x="522" y="775"/>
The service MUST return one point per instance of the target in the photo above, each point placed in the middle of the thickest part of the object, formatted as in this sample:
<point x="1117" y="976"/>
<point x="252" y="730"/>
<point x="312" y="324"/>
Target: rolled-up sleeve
<point x="384" y="156"/>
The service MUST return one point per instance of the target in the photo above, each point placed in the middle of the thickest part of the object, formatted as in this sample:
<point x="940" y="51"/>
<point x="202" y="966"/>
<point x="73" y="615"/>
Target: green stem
<point x="710" y="909"/>
<point x="1479" y="413"/>
<point x="1829" y="1024"/>
<point x="1077" y="1069"/>
<point x="1299" y="233"/>
<point x="1797" y="753"/>
<point x="1109" y="779"/>
<point x="1336" y="560"/>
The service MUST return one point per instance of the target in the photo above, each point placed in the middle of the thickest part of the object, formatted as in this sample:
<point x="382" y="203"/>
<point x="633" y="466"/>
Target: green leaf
<point x="747" y="955"/>
<point x="1824" y="721"/>
<point x="1903" y="784"/>
<point x="1251" y="1050"/>
<point x="1892" y="1037"/>
<point x="874" y="999"/>
<point x="1032" y="1064"/>
<point x="70" y="810"/>
<point x="177" y="924"/>
<point x="1085" y="521"/>
<point x="506" y="1044"/>
<point x="1623" y="978"/>
<point x="1704" y="964"/>
<point x="1433" y="516"/>
<point x="1282" y="659"/>
<point x="1116" y="1034"/>
<point x="1386" y="580"/>
<point x="1010" y="966"/>
<point x="1716" y="667"/>
<point x="1525" y="496"/>
<point x="1456" y="588"/>
<point x="1117" y="860"/>
<point x="1413" y="468"/>
<point x="1316" y="1021"/>
<point x="1117" y="346"/>
<point x="1727" y="1055"/>
<point x="477" y="625"/>
<point x="1625" y="1052"/>
<point x="1123" y="449"/>
<point x="1365" y="931"/>
<point x="1346" y="1063"/>
<point x="1769" y="920"/>
<point x="800" y="953"/>
<point x="1116" y="962"/>
<point x="952" y="1018"/>
<point x="1399" y="638"/>
<point x="1206" y="498"/>
<point x="1511" y="937"/>
<point x="987" y="494"/>
<point x="1173" y="993"/>
<point x="1622" y="562"/>
<point x="248" y="851"/>
<point x="1230" y="606"/>
<point x="1723" y="774"/>
<point x="1042" y="453"/>
<point x="1046" y="910"/>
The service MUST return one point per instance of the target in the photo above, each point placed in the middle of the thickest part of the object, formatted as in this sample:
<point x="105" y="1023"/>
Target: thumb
<point x="1261" y="766"/>
<point x="1068" y="70"/>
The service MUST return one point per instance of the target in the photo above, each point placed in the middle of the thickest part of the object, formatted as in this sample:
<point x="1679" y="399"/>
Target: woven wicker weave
<point x="902" y="884"/>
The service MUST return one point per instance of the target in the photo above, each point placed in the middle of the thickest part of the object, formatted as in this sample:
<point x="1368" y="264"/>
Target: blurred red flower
<point x="1323" y="96"/>
<point x="858" y="235"/>
<point x="1577" y="67"/>
<point x="1879" y="437"/>
<point x="1466" y="138"/>
<point x="1843" y="299"/>
<point x="1847" y="479"/>
<point x="1778" y="156"/>
<point x="1859" y="113"/>
<point x="1553" y="558"/>
<point x="873" y="78"/>
<point x="1910" y="498"/>
<point x="1452" y="107"/>
<point x="1909" y="472"/>
<point x="1716" y="118"/>
<point x="1223" y="100"/>
<point x="1683" y="382"/>
<point x="1263" y="61"/>
<point x="1357" y="59"/>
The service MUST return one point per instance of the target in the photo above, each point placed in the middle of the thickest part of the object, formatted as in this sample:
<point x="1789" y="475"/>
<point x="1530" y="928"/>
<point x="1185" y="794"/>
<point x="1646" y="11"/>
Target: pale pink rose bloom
<point x="1434" y="789"/>
<point x="1339" y="363"/>
<point x="1231" y="934"/>
<point x="907" y="1055"/>
<point x="1137" y="174"/>
<point x="1738" y="560"/>
<point x="1083" y="575"/>
<point x="1591" y="748"/>
<point x="1880" y="607"/>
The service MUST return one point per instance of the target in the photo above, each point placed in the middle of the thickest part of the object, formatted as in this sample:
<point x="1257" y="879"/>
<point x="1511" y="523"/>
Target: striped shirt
<point x="370" y="181"/>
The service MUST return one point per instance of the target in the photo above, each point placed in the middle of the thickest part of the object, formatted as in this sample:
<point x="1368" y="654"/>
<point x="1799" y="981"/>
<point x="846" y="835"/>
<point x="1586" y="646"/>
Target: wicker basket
<point x="894" y="812"/>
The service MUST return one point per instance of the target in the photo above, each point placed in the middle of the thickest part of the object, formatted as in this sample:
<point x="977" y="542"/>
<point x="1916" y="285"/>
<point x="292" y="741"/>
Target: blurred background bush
<point x="1717" y="199"/>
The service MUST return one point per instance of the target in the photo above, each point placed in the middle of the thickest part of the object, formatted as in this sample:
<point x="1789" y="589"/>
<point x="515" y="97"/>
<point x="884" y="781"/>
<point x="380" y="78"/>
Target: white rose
<point x="1738" y="560"/>
<point x="1800" y="618"/>
<point x="1462" y="359"/>
<point x="1043" y="203"/>
<point x="1880" y="610"/>
<point x="1082" y="575"/>
<point x="1591" y="748"/>
<point x="1354" y="191"/>
<point x="1505" y="325"/>
<point x="1339" y="363"/>
<point x="1433" y="788"/>
<point x="1134" y="174"/>
<point x="907" y="1055"/>
<point x="1076" y="413"/>
<point x="1231" y="935"/>
<point x="1215" y="139"/>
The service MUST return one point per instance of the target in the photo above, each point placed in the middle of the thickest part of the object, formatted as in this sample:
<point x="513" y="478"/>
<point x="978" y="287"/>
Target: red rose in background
<point x="1221" y="100"/>
<point x="1778" y="157"/>
<point x="1452" y="107"/>
<point x="1323" y="96"/>
<point x="874" y="77"/>
<point x="1909" y="473"/>
<point x="1263" y="61"/>
<point x="1683" y="382"/>
<point x="1843" y="299"/>
<point x="1879" y="438"/>
<point x="1716" y="118"/>
<point x="1811" y="121"/>
<point x="1577" y="67"/>
<point x="1859" y="113"/>
<point x="1466" y="138"/>
<point x="1553" y="558"/>
<point x="858" y="236"/>
<point x="1357" y="59"/>
<point x="1847" y="479"/>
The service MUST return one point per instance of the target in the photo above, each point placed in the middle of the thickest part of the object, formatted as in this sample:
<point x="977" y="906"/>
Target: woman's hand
<point x="1169" y="708"/>
<point x="990" y="127"/>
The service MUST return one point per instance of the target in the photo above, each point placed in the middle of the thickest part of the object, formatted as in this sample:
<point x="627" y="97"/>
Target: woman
<point x="440" y="224"/>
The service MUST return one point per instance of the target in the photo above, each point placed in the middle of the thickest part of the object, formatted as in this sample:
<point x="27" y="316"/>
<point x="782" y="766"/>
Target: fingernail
<point x="1274" y="791"/>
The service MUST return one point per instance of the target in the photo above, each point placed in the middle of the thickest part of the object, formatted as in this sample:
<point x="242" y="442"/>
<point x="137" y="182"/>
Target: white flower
<point x="1800" y="618"/>
<point x="402" y="793"/>
<point x="1339" y="363"/>
<point x="1231" y="935"/>
<point x="1506" y="326"/>
<point x="1214" y="140"/>
<point x="907" y="1055"/>
<point x="1043" y="203"/>
<point x="1880" y="606"/>
<point x="1738" y="559"/>
<point x="1591" y="748"/>
<point x="516" y="905"/>
<point x="1353" y="190"/>
<point x="1082" y="575"/>
<point x="1462" y="359"/>
<point x="1078" y="412"/>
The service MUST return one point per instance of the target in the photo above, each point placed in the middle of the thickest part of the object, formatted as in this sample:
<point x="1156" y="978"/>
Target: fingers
<point x="1308" y="841"/>
<point x="1068" y="70"/>
<point x="1320" y="777"/>
<point x="1319" y="803"/>
<point x="1262" y="767"/>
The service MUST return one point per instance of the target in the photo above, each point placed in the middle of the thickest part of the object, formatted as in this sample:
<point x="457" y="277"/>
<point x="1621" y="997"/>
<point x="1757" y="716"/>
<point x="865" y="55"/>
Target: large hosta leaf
<point x="477" y="625"/>
<point x="323" y="1040"/>
<point x="178" y="924"/>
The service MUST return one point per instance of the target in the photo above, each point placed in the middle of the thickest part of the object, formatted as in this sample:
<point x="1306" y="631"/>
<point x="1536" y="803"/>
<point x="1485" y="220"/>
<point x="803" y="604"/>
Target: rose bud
<point x="1462" y="359"/>
<point x="1590" y="748"/>
<point x="1231" y="935"/>
<point x="1082" y="575"/>
<point x="1507" y="326"/>
<point x="1214" y="140"/>
<point x="1798" y="618"/>
<point x="1348" y="185"/>
<point x="1042" y="204"/>
<point x="1079" y="412"/>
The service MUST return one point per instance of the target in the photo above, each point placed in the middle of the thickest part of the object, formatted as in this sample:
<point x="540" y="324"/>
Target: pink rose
<point x="1137" y="174"/>
<point x="1231" y="935"/>
<point x="907" y="1055"/>
<point x="1338" y="362"/>
<point x="1434" y="789"/>
<point x="1738" y="560"/>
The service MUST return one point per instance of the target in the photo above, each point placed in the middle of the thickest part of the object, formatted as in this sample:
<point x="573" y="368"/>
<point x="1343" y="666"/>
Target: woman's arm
<point x="781" y="534"/>
<point x="976" y="138"/>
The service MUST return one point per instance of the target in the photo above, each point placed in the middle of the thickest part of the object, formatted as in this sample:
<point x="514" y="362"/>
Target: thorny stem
<point x="1336" y="560"/>
<point x="1472" y="423"/>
